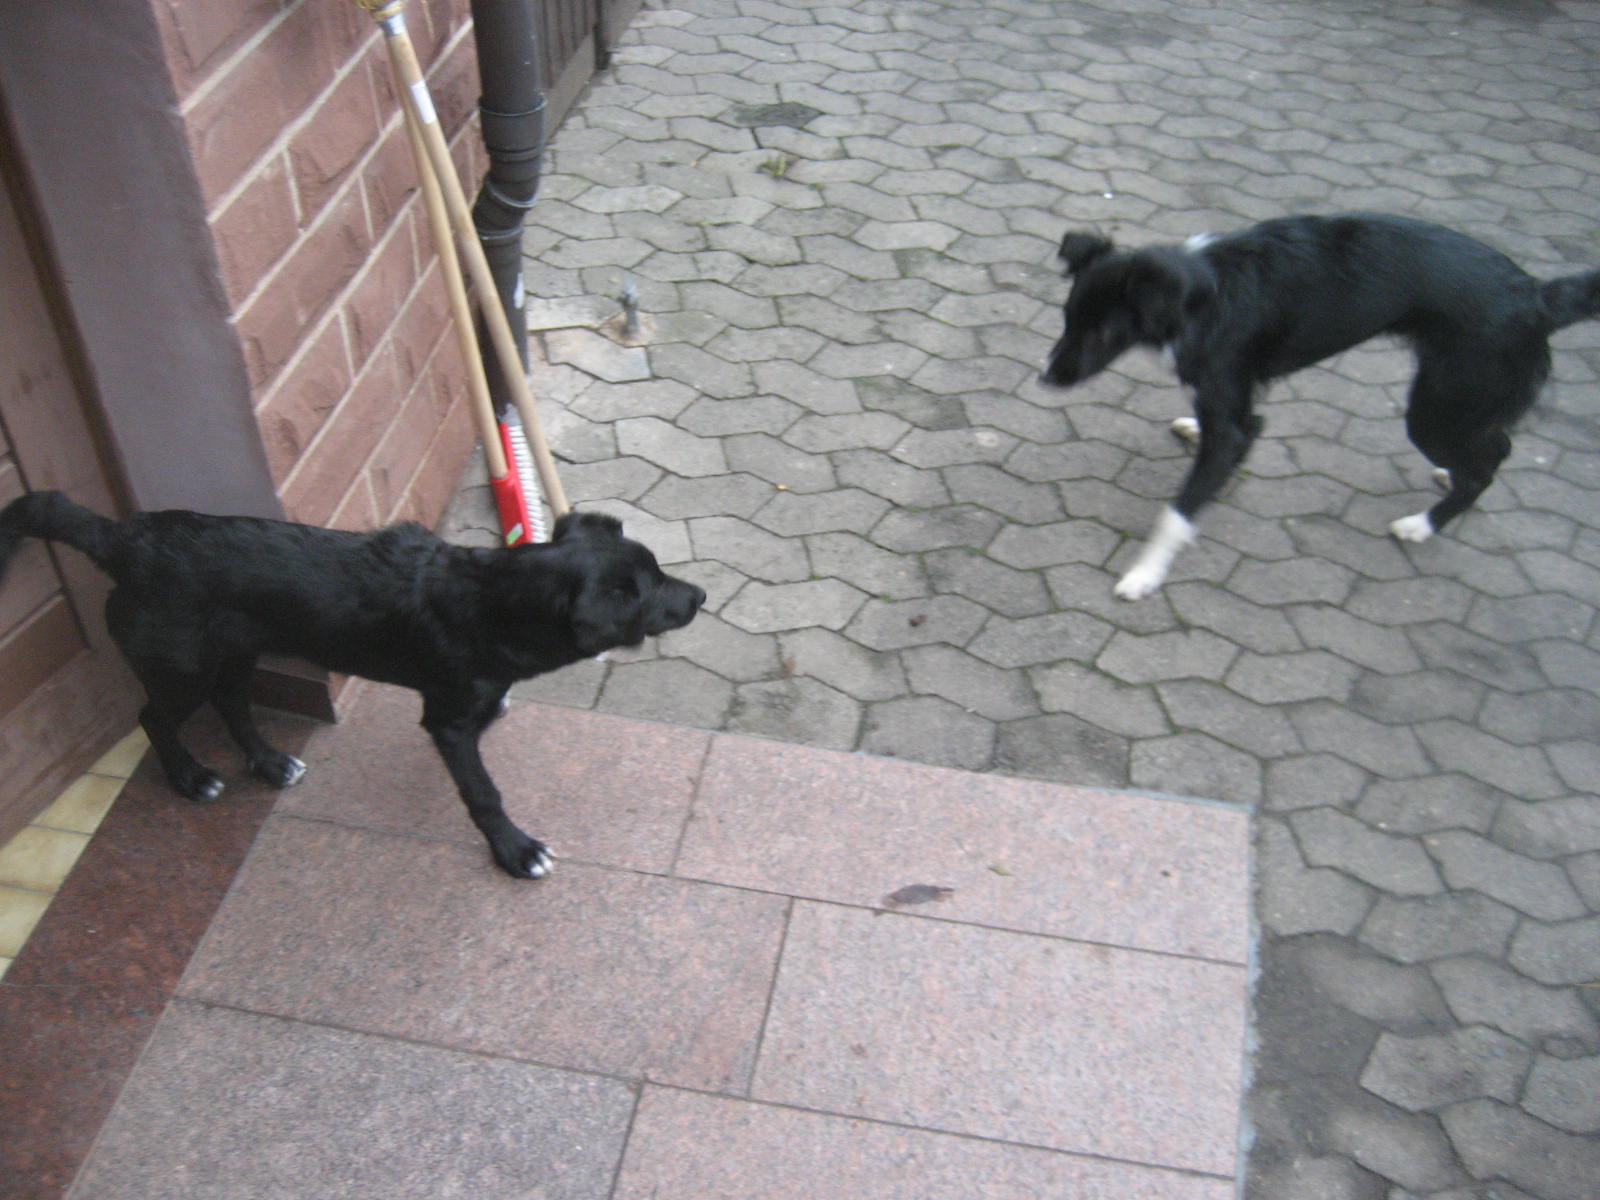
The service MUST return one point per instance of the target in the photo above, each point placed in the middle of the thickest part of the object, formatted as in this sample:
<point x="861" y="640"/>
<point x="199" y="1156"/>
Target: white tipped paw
<point x="1415" y="528"/>
<point x="1140" y="582"/>
<point x="1187" y="428"/>
<point x="1442" y="478"/>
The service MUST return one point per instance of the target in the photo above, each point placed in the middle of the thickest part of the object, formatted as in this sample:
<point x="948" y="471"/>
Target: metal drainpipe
<point x="511" y="111"/>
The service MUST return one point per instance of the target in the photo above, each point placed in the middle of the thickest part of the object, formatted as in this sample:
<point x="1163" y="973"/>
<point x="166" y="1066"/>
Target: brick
<point x="330" y="145"/>
<point x="256" y="229"/>
<point x="291" y="414"/>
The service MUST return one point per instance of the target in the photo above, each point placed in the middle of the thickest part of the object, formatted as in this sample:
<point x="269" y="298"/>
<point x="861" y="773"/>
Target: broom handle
<point x="419" y="108"/>
<point x="460" y="307"/>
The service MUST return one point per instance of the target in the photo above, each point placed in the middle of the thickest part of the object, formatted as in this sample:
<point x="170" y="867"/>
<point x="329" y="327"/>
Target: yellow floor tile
<point x="122" y="759"/>
<point x="82" y="806"/>
<point x="19" y="913"/>
<point x="39" y="859"/>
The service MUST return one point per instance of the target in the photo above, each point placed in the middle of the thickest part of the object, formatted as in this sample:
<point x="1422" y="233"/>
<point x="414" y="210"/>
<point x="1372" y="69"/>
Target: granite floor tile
<point x="1117" y="868"/>
<point x="595" y="787"/>
<point x="691" y="1146"/>
<point x="85" y="992"/>
<point x="1075" y="1047"/>
<point x="631" y="975"/>
<point x="227" y="1105"/>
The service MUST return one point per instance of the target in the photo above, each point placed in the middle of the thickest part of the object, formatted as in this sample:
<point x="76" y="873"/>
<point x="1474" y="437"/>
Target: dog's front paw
<point x="1186" y="429"/>
<point x="524" y="857"/>
<point x="279" y="769"/>
<point x="1140" y="582"/>
<point x="1415" y="528"/>
<point x="198" y="784"/>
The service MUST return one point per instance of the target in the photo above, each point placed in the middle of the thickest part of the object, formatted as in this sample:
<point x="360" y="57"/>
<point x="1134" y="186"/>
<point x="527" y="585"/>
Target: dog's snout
<point x="697" y="597"/>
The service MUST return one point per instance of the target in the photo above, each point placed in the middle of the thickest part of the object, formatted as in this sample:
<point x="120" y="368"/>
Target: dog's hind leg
<point x="230" y="696"/>
<point x="455" y="721"/>
<point x="173" y="698"/>
<point x="1467" y="470"/>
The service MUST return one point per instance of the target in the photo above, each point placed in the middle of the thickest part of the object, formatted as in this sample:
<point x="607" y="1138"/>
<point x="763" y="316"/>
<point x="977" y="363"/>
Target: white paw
<point x="1415" y="528"/>
<point x="1187" y="428"/>
<point x="1140" y="582"/>
<point x="296" y="772"/>
<point x="1442" y="478"/>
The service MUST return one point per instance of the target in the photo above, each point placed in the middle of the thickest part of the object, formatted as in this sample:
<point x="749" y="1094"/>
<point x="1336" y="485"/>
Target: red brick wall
<point x="323" y="244"/>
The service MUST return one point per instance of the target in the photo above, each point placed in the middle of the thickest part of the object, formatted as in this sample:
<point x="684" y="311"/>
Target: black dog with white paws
<point x="1240" y="310"/>
<point x="199" y="598"/>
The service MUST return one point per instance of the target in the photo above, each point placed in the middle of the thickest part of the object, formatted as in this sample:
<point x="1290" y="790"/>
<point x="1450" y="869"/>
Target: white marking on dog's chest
<point x="1198" y="242"/>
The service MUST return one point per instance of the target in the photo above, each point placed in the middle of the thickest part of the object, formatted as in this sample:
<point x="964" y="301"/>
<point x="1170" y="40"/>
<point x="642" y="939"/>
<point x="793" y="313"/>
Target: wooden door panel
<point x="65" y="694"/>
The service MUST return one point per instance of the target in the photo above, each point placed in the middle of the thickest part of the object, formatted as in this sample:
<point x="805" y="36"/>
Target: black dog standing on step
<point x="1238" y="311"/>
<point x="199" y="598"/>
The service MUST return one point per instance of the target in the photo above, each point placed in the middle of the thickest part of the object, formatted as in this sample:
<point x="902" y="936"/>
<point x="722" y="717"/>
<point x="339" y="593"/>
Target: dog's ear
<point x="1078" y="250"/>
<point x="586" y="522"/>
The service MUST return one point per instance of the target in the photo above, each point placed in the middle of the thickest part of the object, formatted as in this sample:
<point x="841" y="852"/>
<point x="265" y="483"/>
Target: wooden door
<point x="65" y="695"/>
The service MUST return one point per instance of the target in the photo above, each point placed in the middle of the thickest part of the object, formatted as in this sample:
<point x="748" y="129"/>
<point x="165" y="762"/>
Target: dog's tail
<point x="1572" y="298"/>
<point x="51" y="516"/>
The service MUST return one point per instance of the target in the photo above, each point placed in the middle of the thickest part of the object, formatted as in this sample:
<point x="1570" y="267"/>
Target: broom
<point x="519" y="460"/>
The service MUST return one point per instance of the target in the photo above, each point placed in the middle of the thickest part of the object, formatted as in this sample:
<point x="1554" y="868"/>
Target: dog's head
<point x="1120" y="299"/>
<point x="616" y="594"/>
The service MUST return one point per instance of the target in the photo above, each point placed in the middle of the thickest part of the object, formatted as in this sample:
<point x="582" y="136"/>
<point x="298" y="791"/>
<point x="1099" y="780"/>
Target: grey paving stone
<point x="722" y="648"/>
<point x="1564" y="953"/>
<point x="1539" y="889"/>
<point x="768" y="458"/>
<point x="969" y="682"/>
<point x="1482" y="992"/>
<point x="674" y="691"/>
<point x="1497" y="1141"/>
<point x="1551" y="829"/>
<point x="792" y="515"/>
<point x="1331" y="838"/>
<point x="1312" y="781"/>
<point x="1155" y="657"/>
<point x="1064" y="749"/>
<point x="1422" y="696"/>
<point x="1000" y="588"/>
<point x="895" y="625"/>
<point x="931" y="730"/>
<point x="751" y="549"/>
<point x="1259" y="729"/>
<point x="796" y="709"/>
<point x="1433" y="927"/>
<point x="1382" y="749"/>
<point x="1429" y="804"/>
<point x="1517" y="770"/>
<point x="857" y="561"/>
<point x="1402" y="1000"/>
<point x="1431" y="1071"/>
<point x="1192" y="764"/>
<point x="914" y="531"/>
<point x="1565" y="1093"/>
<point x="1071" y="688"/>
<point x="1410" y="1150"/>
<point x="772" y="608"/>
<point x="842" y="664"/>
